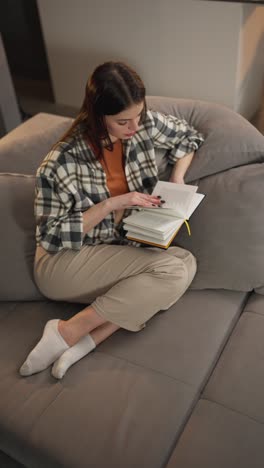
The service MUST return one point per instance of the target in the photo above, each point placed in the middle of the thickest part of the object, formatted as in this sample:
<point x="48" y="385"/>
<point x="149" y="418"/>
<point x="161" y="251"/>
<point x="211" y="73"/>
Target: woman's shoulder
<point x="152" y="120"/>
<point x="152" y="117"/>
<point x="59" y="155"/>
<point x="66" y="154"/>
<point x="157" y="119"/>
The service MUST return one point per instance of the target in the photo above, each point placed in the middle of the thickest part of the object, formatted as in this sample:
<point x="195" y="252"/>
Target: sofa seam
<point x="13" y="458"/>
<point x="146" y="368"/>
<point x="10" y="311"/>
<point x="231" y="409"/>
<point x="253" y="312"/>
<point x="30" y="432"/>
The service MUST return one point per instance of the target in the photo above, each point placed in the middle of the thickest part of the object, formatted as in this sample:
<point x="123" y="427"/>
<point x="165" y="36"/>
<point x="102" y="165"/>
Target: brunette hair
<point x="112" y="88"/>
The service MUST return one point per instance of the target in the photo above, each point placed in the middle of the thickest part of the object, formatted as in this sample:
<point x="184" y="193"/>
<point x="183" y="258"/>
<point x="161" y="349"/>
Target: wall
<point x="182" y="48"/>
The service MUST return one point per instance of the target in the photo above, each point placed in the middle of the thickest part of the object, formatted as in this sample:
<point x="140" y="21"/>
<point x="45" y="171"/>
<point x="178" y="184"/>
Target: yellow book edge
<point x="159" y="245"/>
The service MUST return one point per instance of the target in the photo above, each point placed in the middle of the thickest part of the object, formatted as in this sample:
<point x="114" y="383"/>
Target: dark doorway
<point x="25" y="49"/>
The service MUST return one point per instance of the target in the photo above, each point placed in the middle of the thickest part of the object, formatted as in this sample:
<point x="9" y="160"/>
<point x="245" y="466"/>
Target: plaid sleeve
<point x="58" y="224"/>
<point x="169" y="132"/>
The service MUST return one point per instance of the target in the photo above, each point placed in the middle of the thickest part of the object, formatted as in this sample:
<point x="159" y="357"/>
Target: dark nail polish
<point x="158" y="196"/>
<point x="162" y="201"/>
<point x="153" y="204"/>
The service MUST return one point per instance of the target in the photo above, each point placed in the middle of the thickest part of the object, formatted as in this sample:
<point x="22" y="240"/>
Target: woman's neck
<point x="113" y="139"/>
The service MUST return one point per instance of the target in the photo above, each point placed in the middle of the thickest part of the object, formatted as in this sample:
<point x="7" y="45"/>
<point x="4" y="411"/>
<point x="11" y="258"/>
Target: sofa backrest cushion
<point x="23" y="149"/>
<point x="228" y="231"/>
<point x="17" y="246"/>
<point x="227" y="234"/>
<point x="230" y="140"/>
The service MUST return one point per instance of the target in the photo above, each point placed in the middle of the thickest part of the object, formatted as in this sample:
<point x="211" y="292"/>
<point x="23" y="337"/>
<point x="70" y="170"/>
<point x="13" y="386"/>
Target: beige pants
<point x="126" y="285"/>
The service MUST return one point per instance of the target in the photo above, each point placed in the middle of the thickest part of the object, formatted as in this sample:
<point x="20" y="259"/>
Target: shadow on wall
<point x="258" y="118"/>
<point x="248" y="10"/>
<point x="249" y="92"/>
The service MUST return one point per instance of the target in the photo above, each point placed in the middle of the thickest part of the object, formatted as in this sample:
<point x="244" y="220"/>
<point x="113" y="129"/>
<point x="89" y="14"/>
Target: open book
<point x="158" y="226"/>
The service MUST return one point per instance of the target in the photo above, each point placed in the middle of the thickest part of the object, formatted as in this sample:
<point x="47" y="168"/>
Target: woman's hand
<point x="98" y="212"/>
<point x="127" y="200"/>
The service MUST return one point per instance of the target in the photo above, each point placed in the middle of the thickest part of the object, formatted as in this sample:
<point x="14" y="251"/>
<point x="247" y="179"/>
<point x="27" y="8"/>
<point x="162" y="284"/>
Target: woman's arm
<point x="180" y="168"/>
<point x="176" y="135"/>
<point x="60" y="219"/>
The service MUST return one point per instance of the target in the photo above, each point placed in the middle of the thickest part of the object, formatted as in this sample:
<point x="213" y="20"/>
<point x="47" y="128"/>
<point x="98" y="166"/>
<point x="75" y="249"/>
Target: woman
<point x="104" y="164"/>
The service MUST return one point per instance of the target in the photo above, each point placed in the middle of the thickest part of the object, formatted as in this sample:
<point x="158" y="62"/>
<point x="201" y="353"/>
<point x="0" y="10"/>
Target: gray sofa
<point x="188" y="390"/>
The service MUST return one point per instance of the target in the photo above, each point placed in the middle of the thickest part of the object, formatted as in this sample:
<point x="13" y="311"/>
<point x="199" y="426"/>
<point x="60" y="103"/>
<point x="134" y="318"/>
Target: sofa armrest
<point x="23" y="149"/>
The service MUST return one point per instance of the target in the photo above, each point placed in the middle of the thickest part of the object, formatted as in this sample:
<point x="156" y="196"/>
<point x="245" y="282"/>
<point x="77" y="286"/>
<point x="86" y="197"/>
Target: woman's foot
<point x="49" y="348"/>
<point x="72" y="355"/>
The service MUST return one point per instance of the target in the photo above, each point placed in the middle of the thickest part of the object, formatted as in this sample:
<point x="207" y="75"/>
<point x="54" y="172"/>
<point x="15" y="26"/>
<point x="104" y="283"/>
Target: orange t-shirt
<point x="113" y="165"/>
<point x="114" y="169"/>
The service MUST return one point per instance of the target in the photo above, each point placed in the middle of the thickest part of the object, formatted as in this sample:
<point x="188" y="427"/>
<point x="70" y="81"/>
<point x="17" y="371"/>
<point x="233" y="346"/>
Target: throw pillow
<point x="228" y="231"/>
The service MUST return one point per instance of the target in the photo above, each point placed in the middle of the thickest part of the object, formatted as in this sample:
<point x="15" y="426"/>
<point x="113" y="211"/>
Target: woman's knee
<point x="46" y="288"/>
<point x="52" y="286"/>
<point x="181" y="272"/>
<point x="187" y="258"/>
<point x="191" y="266"/>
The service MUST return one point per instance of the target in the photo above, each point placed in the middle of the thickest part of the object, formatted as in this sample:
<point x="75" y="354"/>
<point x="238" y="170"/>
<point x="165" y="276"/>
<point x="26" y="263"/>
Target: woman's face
<point x="125" y="124"/>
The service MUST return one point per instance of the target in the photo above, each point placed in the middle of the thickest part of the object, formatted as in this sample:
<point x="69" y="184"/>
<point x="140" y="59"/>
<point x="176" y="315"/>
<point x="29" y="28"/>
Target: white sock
<point x="84" y="346"/>
<point x="48" y="349"/>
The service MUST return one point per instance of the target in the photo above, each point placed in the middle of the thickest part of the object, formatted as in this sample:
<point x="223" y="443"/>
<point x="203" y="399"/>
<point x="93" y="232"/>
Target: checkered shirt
<point x="70" y="180"/>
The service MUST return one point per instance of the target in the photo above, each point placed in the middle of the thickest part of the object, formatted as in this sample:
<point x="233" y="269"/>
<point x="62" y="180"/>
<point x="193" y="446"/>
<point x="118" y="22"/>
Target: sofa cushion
<point x="194" y="357"/>
<point x="17" y="246"/>
<point x="216" y="436"/>
<point x="227" y="231"/>
<point x="238" y="381"/>
<point x="23" y="149"/>
<point x="135" y="390"/>
<point x="226" y="430"/>
<point x="230" y="140"/>
<point x="7" y="462"/>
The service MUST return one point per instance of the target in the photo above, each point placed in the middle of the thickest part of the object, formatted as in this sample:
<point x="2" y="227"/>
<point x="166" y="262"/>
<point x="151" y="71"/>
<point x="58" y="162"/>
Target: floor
<point x="36" y="96"/>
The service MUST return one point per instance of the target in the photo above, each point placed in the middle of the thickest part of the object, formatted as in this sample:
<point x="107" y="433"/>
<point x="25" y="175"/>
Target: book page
<point x="170" y="213"/>
<point x="136" y="231"/>
<point x="146" y="239"/>
<point x="198" y="197"/>
<point x="177" y="196"/>
<point x="151" y="221"/>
